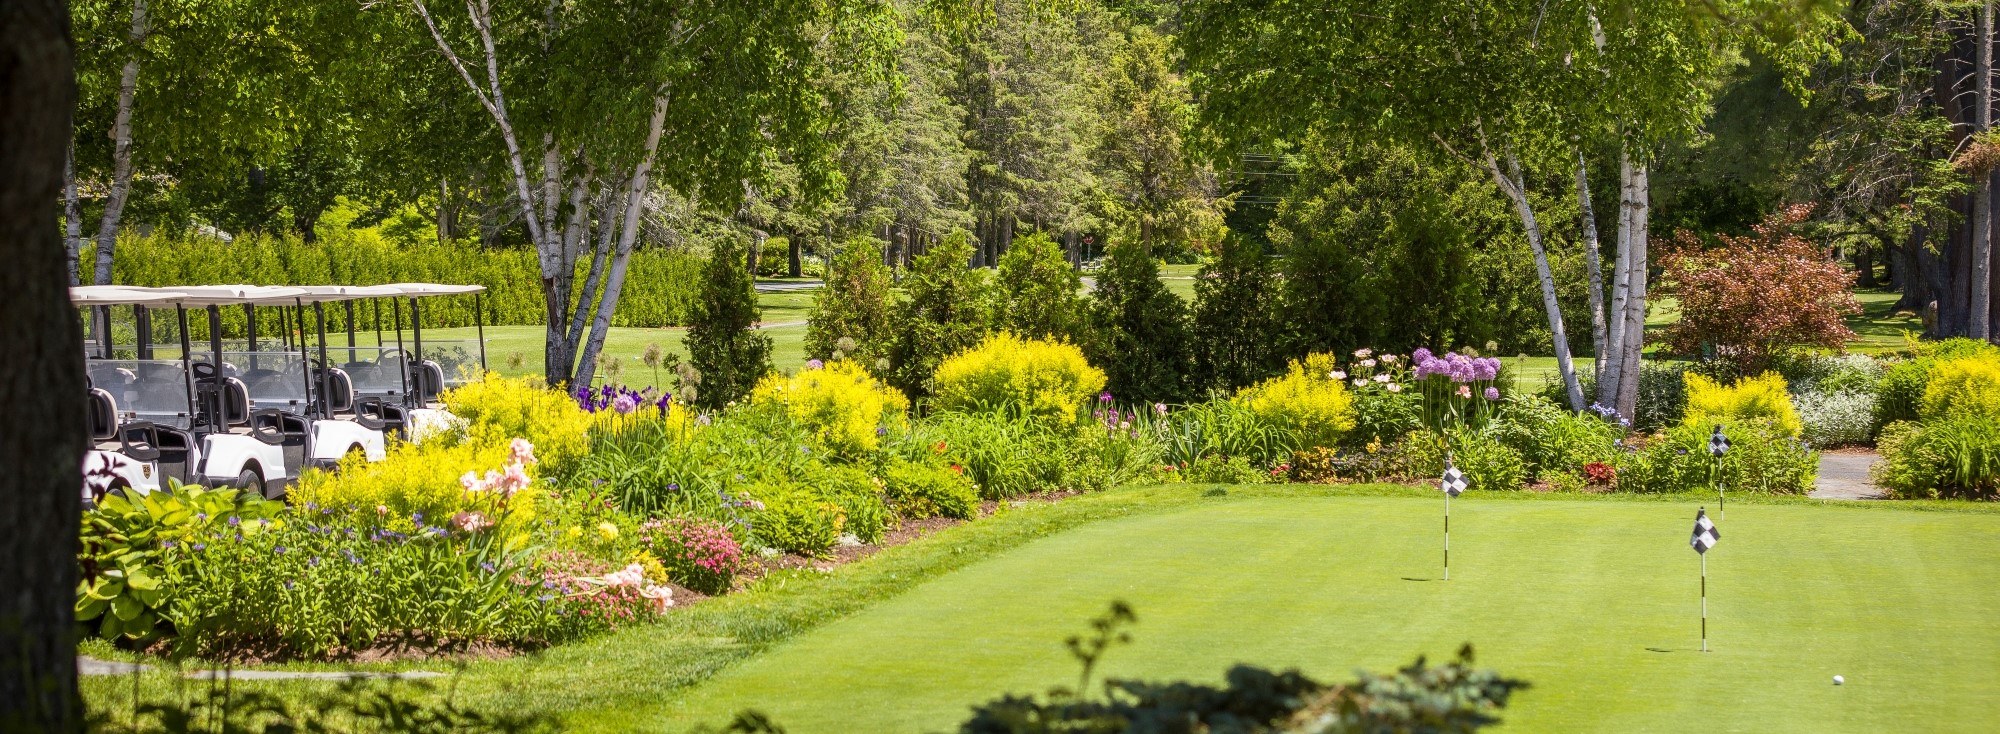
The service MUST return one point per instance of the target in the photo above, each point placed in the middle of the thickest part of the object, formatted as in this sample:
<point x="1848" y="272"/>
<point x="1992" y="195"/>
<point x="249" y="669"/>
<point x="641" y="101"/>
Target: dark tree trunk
<point x="1949" y="274"/>
<point x="795" y="266"/>
<point x="1864" y="265"/>
<point x="41" y="429"/>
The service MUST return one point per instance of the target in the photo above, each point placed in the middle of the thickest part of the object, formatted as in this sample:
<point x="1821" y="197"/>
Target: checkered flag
<point x="1705" y="534"/>
<point x="1718" y="444"/>
<point x="1453" y="481"/>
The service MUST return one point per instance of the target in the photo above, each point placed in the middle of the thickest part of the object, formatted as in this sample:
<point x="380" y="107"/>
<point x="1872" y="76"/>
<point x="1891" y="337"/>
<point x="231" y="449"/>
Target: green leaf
<point x="126" y="608"/>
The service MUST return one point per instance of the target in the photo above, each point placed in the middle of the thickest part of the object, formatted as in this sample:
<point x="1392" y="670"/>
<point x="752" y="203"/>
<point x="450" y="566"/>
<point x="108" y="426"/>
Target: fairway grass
<point x="1594" y="602"/>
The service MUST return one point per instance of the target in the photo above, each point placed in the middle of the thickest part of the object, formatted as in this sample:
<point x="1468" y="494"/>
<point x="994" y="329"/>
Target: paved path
<point x="93" y="666"/>
<point x="1845" y="477"/>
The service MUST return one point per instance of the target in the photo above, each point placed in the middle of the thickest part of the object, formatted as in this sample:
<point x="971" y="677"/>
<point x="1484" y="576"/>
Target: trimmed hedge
<point x="659" y="285"/>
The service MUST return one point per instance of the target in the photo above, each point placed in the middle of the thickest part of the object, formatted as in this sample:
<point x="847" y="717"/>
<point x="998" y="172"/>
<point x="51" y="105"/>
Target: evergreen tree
<point x="722" y="340"/>
<point x="1142" y="342"/>
<point x="947" y="308"/>
<point x="1236" y="319"/>
<point x="1040" y="295"/>
<point x="854" y="305"/>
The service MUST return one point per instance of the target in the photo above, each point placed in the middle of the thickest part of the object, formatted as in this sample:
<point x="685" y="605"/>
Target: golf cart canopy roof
<point x="433" y="289"/>
<point x="231" y="295"/>
<point x="112" y="295"/>
<point x="333" y="293"/>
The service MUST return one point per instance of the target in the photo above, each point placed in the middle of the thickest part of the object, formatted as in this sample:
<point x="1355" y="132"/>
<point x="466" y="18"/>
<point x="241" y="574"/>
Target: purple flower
<point x="280" y="550"/>
<point x="1492" y="393"/>
<point x="1420" y="356"/>
<point x="813" y="364"/>
<point x="1104" y="397"/>
<point x="487" y="567"/>
<point x="624" y="404"/>
<point x="200" y="546"/>
<point x="1486" y="369"/>
<point x="234" y="521"/>
<point x="881" y="431"/>
<point x="313" y="561"/>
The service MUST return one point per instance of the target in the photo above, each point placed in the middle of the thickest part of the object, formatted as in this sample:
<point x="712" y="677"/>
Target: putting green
<point x="1594" y="602"/>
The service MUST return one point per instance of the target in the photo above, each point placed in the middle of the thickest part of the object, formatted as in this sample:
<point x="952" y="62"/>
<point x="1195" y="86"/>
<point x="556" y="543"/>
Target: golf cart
<point x="259" y="410"/>
<point x="431" y="366"/>
<point x="140" y="405"/>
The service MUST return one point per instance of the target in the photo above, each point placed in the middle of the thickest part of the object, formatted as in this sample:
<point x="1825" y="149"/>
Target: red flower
<point x="958" y="468"/>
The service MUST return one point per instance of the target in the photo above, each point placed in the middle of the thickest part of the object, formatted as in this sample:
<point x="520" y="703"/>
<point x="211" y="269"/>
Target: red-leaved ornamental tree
<point x="1748" y="297"/>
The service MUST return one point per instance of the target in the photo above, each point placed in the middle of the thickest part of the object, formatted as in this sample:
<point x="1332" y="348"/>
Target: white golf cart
<point x="140" y="405"/>
<point x="260" y="411"/>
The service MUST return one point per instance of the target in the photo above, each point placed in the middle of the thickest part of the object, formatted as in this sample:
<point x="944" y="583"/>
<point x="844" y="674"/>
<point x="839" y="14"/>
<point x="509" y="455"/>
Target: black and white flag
<point x="1705" y="534"/>
<point x="1453" y="480"/>
<point x="1718" y="444"/>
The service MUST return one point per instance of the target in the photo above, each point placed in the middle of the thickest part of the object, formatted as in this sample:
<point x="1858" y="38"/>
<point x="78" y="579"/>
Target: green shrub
<point x="793" y="517"/>
<point x="1142" y="339"/>
<point x="1662" y="393"/>
<point x="918" y="490"/>
<point x="1307" y="401"/>
<point x="1049" y="381"/>
<point x="659" y="289"/>
<point x="1383" y="416"/>
<point x="1963" y="385"/>
<point x="1956" y="456"/>
<point x="1762" y="458"/>
<point x="1760" y="398"/>
<point x="129" y="560"/>
<point x="1488" y="463"/>
<point x="1551" y="439"/>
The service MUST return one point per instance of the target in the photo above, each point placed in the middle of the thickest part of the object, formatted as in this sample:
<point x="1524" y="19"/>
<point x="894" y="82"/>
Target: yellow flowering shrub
<point x="1763" y="397"/>
<point x="1967" y="385"/>
<point x="498" y="409"/>
<point x="1306" y="402"/>
<point x="421" y="483"/>
<point x="840" y="403"/>
<point x="1040" y="378"/>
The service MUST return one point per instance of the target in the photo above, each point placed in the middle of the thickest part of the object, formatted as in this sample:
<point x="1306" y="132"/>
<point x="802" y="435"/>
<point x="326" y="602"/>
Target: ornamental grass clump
<point x="846" y="409"/>
<point x="1761" y="398"/>
<point x="1050" y="381"/>
<point x="1308" y="402"/>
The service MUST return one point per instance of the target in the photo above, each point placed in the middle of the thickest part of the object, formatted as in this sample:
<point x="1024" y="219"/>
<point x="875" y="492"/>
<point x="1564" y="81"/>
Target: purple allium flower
<point x="1420" y="356"/>
<point x="624" y="404"/>
<point x="813" y="364"/>
<point x="1486" y="369"/>
<point x="1492" y="393"/>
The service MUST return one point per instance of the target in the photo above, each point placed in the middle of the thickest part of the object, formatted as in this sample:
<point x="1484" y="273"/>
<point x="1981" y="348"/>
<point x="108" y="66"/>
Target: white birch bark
<point x="586" y="299"/>
<point x="1614" y="361"/>
<point x="121" y="147"/>
<point x="1635" y="298"/>
<point x="1593" y="269"/>
<point x="614" y="278"/>
<point x="1515" y="188"/>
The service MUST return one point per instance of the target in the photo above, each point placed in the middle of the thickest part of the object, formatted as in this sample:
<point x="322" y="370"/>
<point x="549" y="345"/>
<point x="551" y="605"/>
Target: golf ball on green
<point x="1837" y="680"/>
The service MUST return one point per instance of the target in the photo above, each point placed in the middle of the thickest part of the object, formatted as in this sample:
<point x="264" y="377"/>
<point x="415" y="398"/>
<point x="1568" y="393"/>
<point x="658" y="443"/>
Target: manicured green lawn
<point x="1592" y="601"/>
<point x="1591" y="598"/>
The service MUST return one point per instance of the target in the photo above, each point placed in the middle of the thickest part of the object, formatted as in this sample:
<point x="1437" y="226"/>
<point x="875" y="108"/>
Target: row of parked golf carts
<point x="256" y="411"/>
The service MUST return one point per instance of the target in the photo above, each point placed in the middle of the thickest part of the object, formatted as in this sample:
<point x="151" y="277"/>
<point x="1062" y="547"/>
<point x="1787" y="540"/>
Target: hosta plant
<point x="129" y="559"/>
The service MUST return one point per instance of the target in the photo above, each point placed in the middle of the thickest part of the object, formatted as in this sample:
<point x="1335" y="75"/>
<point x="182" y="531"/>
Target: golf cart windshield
<point x="459" y="358"/>
<point x="144" y="389"/>
<point x="274" y="379"/>
<point x="376" y="371"/>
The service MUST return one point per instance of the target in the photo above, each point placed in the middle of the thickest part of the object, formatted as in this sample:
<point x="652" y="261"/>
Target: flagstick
<point x="1447" y="536"/>
<point x="1704" y="602"/>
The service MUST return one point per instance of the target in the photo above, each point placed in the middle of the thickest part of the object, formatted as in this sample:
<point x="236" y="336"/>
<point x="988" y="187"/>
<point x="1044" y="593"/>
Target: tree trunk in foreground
<point x="41" y="430"/>
<point x="1634" y="344"/>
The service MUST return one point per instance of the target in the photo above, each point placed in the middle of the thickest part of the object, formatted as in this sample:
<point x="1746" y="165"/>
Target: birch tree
<point x="595" y="103"/>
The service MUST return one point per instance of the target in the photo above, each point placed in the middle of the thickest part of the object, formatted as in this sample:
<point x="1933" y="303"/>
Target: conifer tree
<point x="1142" y="342"/>
<point x="947" y="308"/>
<point x="1040" y="295"/>
<point x="722" y="339"/>
<point x="854" y="305"/>
<point x="1236" y="318"/>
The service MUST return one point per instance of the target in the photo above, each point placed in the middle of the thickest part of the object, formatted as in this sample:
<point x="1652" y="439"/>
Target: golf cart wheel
<point x="250" y="479"/>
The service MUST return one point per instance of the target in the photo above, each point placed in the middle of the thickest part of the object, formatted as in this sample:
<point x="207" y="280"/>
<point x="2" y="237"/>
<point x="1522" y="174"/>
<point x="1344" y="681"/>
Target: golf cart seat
<point x="339" y="390"/>
<point x="170" y="447"/>
<point x="429" y="379"/>
<point x="223" y="402"/>
<point x="103" y="415"/>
